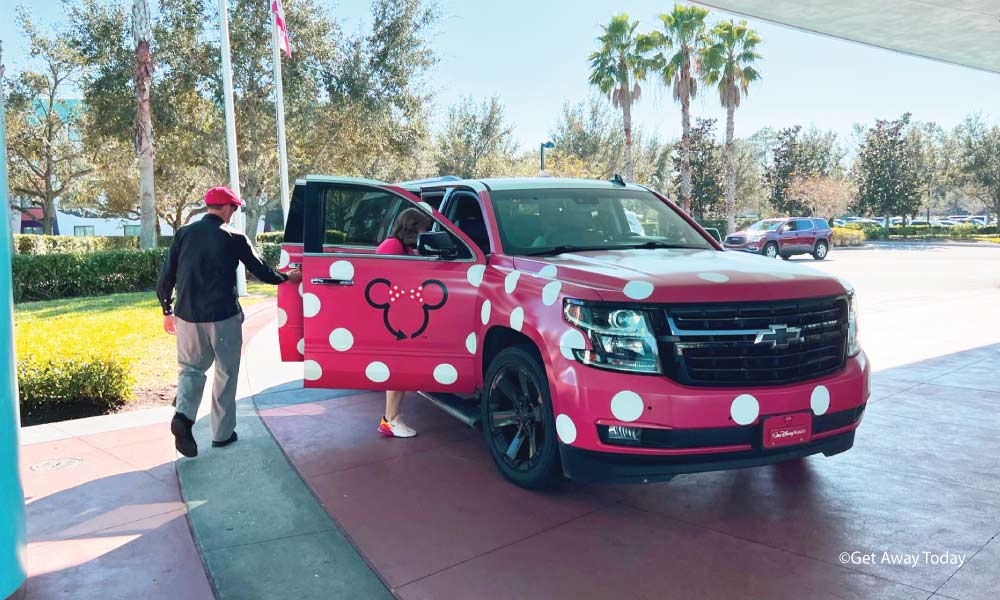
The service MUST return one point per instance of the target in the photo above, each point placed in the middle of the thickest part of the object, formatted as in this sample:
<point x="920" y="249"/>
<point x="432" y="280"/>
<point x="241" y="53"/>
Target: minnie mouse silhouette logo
<point x="406" y="312"/>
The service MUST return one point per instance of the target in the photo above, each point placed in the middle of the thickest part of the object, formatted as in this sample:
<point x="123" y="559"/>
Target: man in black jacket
<point x="206" y="317"/>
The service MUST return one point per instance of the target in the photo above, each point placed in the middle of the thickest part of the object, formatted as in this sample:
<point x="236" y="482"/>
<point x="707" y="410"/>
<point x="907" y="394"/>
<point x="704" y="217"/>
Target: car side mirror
<point x="436" y="243"/>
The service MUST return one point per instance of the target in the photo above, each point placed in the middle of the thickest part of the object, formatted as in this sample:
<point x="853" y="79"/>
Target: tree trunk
<point x="730" y="171"/>
<point x="49" y="213"/>
<point x="686" y="154"/>
<point x="627" y="119"/>
<point x="144" y="145"/>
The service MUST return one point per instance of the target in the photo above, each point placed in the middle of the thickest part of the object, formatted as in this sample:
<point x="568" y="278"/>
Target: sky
<point x="533" y="55"/>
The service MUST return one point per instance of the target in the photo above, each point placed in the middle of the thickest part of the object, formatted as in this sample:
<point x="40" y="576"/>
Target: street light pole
<point x="542" y="148"/>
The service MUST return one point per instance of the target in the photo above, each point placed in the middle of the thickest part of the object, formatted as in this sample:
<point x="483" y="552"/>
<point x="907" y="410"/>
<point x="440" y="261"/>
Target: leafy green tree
<point x="707" y="166"/>
<point x="617" y="68"/>
<point x="980" y="145"/>
<point x="677" y="47"/>
<point x="47" y="158"/>
<point x="728" y="62"/>
<point x="590" y="135"/>
<point x="885" y="171"/>
<point x="797" y="154"/>
<point x="477" y="141"/>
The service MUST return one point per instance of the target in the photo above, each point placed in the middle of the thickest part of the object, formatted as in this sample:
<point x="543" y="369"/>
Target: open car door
<point x="378" y="322"/>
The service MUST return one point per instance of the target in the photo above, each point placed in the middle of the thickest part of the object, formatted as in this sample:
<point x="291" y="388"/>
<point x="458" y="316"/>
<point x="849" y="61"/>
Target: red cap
<point x="221" y="196"/>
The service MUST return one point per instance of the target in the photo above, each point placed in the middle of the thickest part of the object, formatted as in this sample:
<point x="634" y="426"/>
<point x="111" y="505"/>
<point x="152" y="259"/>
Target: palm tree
<point x="144" y="122"/>
<point x="728" y="63"/>
<point x="616" y="69"/>
<point x="683" y="35"/>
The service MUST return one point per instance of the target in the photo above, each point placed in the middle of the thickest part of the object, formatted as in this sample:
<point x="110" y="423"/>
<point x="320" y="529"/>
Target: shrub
<point x="74" y="374"/>
<point x="844" y="236"/>
<point x="51" y="276"/>
<point x="34" y="245"/>
<point x="271" y="237"/>
<point x="270" y="253"/>
<point x="873" y="232"/>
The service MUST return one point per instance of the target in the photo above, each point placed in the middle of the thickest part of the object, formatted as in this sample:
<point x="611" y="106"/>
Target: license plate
<point x="787" y="430"/>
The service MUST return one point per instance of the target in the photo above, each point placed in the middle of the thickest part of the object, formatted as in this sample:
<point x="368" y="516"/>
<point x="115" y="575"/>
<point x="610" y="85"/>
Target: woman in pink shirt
<point x="402" y="240"/>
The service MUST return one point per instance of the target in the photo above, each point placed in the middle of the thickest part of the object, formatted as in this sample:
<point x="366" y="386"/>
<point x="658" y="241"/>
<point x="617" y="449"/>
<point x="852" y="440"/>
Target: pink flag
<point x="279" y="21"/>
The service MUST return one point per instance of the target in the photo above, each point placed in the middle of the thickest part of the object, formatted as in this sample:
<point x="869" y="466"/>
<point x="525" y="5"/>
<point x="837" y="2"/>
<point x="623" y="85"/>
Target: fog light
<point x="623" y="435"/>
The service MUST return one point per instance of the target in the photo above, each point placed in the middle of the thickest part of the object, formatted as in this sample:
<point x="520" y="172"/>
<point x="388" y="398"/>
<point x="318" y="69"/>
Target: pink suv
<point x="579" y="340"/>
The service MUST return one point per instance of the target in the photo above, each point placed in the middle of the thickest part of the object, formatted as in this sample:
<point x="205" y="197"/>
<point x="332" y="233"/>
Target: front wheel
<point x="820" y="251"/>
<point x="771" y="250"/>
<point x="518" y="423"/>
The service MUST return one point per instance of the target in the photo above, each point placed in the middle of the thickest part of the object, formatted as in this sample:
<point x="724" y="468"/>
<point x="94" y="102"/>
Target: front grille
<point x="716" y="344"/>
<point x="736" y="240"/>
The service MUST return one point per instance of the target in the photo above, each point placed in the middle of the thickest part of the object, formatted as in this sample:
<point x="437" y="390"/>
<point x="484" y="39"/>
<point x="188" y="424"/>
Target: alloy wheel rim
<point x="515" y="418"/>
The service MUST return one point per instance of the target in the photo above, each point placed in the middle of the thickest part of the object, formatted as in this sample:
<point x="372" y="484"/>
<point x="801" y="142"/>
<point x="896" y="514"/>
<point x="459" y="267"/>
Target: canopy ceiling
<point x="961" y="32"/>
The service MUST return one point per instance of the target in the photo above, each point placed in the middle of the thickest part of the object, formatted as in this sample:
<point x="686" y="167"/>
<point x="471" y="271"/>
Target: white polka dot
<point x="571" y="340"/>
<point x="445" y="374"/>
<point x="714" y="277"/>
<point x="426" y="206"/>
<point x="638" y="290"/>
<point x="626" y="406"/>
<point x="300" y="289"/>
<point x="820" y="401"/>
<point x="282" y="317"/>
<point x="744" y="409"/>
<point x="342" y="269"/>
<point x="517" y="318"/>
<point x="301" y="346"/>
<point x="784" y="275"/>
<point x="566" y="429"/>
<point x="550" y="292"/>
<point x="510" y="282"/>
<point x="310" y="305"/>
<point x="377" y="372"/>
<point x="470" y="343"/>
<point x="283" y="259"/>
<point x="341" y="339"/>
<point x="311" y="370"/>
<point x="484" y="314"/>
<point x="548" y="271"/>
<point x="475" y="274"/>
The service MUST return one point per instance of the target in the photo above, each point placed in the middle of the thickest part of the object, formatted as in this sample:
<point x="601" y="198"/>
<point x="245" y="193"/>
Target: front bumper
<point x="690" y="429"/>
<point x="752" y="247"/>
<point x="589" y="466"/>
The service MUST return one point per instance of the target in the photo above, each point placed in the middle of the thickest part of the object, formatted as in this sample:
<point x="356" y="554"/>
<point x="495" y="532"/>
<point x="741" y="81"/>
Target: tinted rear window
<point x="821" y="223"/>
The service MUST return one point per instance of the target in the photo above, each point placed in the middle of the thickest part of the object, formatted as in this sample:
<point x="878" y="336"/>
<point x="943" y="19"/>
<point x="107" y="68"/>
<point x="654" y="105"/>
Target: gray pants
<point x="198" y="346"/>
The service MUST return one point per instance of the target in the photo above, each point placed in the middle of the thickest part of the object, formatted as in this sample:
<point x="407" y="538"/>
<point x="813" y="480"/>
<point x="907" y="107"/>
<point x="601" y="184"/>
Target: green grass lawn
<point x="129" y="324"/>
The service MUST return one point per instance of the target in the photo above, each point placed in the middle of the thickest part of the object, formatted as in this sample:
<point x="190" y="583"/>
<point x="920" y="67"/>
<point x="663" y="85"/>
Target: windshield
<point x="551" y="221"/>
<point x="764" y="226"/>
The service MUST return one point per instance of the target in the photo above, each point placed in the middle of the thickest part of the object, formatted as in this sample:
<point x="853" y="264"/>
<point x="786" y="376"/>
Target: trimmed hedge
<point x="34" y="245"/>
<point x="271" y="237"/>
<point x="843" y="236"/>
<point x="52" y="276"/>
<point x="270" y="252"/>
<point x="72" y="374"/>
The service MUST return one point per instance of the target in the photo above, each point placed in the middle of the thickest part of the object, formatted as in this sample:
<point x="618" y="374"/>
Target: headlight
<point x="622" y="338"/>
<point x="853" y="342"/>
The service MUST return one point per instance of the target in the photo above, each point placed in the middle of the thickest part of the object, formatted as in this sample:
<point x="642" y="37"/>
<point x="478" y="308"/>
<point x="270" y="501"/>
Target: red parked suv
<point x="579" y="341"/>
<point x="784" y="237"/>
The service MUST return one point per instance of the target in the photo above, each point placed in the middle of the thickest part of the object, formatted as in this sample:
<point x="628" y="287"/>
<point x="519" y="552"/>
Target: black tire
<point x="517" y="404"/>
<point x="786" y="256"/>
<point x="770" y="250"/>
<point x="821" y="250"/>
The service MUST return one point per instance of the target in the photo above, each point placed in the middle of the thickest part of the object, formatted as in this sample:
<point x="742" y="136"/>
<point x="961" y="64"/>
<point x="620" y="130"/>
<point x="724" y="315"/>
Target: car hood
<point x="683" y="275"/>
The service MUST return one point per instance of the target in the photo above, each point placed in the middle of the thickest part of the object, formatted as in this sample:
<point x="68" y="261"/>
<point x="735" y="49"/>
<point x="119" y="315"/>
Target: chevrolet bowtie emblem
<point x="779" y="336"/>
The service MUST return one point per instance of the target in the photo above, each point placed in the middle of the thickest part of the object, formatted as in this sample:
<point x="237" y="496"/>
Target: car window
<point x="537" y="221"/>
<point x="358" y="217"/>
<point x="789" y="226"/>
<point x="296" y="216"/>
<point x="821" y="223"/>
<point x="764" y="226"/>
<point x="803" y="225"/>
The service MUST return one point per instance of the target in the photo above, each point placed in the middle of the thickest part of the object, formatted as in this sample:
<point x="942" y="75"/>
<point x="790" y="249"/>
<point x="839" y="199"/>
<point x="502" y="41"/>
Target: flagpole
<point x="279" y="104"/>
<point x="234" y="166"/>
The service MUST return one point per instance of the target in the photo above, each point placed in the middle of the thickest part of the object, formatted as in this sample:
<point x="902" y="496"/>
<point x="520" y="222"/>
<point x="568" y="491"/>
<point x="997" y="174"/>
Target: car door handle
<point x="294" y="265"/>
<point x="329" y="281"/>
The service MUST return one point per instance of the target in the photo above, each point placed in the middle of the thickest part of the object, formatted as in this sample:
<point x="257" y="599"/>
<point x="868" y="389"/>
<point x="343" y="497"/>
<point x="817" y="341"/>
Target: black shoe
<point x="231" y="439"/>
<point x="181" y="426"/>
